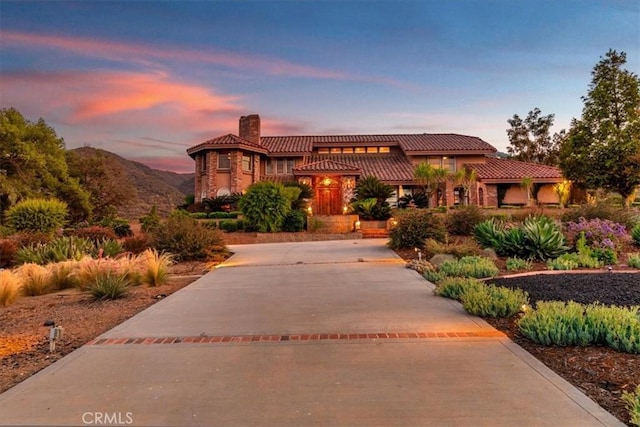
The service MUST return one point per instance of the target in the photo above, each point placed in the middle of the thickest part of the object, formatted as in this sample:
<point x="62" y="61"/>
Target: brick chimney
<point x="250" y="128"/>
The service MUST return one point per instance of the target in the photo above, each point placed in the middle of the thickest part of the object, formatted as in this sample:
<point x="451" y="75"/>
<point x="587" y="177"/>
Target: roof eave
<point x="519" y="180"/>
<point x="446" y="152"/>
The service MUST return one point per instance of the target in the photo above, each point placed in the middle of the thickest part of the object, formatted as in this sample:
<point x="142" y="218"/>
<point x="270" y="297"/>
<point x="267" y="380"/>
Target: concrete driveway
<point x="333" y="333"/>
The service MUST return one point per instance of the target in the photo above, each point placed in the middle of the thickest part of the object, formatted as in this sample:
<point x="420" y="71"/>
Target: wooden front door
<point x="328" y="197"/>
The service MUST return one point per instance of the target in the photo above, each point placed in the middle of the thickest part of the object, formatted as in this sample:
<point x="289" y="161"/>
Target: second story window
<point x="224" y="160"/>
<point x="247" y="163"/>
<point x="280" y="166"/>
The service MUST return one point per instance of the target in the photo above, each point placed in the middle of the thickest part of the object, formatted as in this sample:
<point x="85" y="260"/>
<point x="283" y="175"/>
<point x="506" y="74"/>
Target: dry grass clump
<point x="9" y="287"/>
<point x="35" y="279"/>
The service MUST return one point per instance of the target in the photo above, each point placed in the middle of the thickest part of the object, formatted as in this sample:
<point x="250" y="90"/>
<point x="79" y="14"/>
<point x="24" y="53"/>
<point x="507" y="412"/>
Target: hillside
<point x="163" y="188"/>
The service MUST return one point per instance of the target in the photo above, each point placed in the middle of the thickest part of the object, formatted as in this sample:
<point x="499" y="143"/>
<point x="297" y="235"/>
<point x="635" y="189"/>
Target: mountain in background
<point x="165" y="189"/>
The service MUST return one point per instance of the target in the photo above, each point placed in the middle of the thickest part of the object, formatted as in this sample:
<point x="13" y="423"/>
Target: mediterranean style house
<point x="332" y="165"/>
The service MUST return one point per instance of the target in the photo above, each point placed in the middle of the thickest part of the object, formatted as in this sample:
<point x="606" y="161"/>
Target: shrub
<point x="434" y="276"/>
<point x="457" y="249"/>
<point x="265" y="206"/>
<point x="455" y="287"/>
<point x="35" y="279"/>
<point x="493" y="301"/>
<point x="632" y="403"/>
<point x="222" y="203"/>
<point x="543" y="238"/>
<point x="633" y="260"/>
<point x="462" y="221"/>
<point x="37" y="215"/>
<point x="62" y="275"/>
<point x="155" y="267"/>
<point x="601" y="211"/>
<point x="562" y="264"/>
<point x="368" y="188"/>
<point x="421" y="266"/>
<point x="9" y="287"/>
<point x="109" y="286"/>
<point x="136" y="244"/>
<point x="8" y="248"/>
<point x="150" y="221"/>
<point x="95" y="233"/>
<point x="635" y="235"/>
<point x="559" y="323"/>
<point x="229" y="225"/>
<point x="120" y="226"/>
<point x="187" y="240"/>
<point x="294" y="221"/>
<point x="539" y="237"/>
<point x="220" y="215"/>
<point x="60" y="249"/>
<point x="518" y="264"/>
<point x="605" y="256"/>
<point x="108" y="248"/>
<point x="489" y="234"/>
<point x="599" y="233"/>
<point x="414" y="227"/>
<point x="470" y="266"/>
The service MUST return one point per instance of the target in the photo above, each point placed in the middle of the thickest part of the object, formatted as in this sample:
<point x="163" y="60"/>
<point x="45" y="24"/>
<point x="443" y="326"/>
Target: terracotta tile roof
<point x="390" y="168"/>
<point x="287" y="144"/>
<point x="513" y="170"/>
<point x="411" y="144"/>
<point x="326" y="165"/>
<point x="229" y="140"/>
<point x="442" y="143"/>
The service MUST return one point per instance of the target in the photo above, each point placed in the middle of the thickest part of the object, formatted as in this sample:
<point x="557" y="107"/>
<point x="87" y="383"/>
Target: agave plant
<point x="544" y="239"/>
<point x="490" y="234"/>
<point x="514" y="242"/>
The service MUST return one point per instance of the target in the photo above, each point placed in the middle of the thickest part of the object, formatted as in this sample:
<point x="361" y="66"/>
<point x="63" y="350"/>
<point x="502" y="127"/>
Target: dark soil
<point x="601" y="373"/>
<point x="622" y="289"/>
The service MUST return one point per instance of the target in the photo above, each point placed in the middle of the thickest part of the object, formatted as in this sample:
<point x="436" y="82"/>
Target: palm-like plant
<point x="429" y="178"/>
<point x="465" y="178"/>
<point x="368" y="188"/>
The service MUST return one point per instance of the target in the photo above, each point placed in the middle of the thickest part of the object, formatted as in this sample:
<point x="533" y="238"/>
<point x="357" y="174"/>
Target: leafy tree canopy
<point x="602" y="148"/>
<point x="33" y="164"/>
<point x="108" y="185"/>
<point x="530" y="138"/>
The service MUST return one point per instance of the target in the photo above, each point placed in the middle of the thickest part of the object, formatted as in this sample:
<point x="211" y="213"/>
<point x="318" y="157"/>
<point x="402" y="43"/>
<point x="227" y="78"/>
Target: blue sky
<point x="148" y="79"/>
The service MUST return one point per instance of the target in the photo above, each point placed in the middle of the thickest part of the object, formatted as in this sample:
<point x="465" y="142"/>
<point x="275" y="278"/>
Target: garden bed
<point x="599" y="372"/>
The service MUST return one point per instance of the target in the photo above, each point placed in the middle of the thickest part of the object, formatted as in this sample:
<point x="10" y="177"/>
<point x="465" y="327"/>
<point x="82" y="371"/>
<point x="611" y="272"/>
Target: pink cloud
<point x="143" y="53"/>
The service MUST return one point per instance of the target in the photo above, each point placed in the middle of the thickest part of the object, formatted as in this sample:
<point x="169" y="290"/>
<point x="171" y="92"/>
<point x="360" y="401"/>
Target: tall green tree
<point x="602" y="148"/>
<point x="33" y="164"/>
<point x="106" y="181"/>
<point x="530" y="138"/>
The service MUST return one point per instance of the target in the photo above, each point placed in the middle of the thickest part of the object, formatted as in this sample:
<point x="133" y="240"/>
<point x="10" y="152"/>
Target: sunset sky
<point x="148" y="79"/>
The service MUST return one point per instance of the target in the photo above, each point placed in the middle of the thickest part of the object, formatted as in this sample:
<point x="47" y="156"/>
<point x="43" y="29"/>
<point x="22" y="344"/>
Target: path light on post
<point x="419" y="253"/>
<point x="55" y="334"/>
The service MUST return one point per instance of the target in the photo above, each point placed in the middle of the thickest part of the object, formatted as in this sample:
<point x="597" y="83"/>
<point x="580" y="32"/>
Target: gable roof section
<point x="227" y="141"/>
<point x="507" y="170"/>
<point x="389" y="168"/>
<point x="327" y="166"/>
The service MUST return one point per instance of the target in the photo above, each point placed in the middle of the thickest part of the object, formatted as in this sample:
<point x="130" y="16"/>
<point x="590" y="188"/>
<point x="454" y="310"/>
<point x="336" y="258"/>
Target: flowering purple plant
<point x="599" y="233"/>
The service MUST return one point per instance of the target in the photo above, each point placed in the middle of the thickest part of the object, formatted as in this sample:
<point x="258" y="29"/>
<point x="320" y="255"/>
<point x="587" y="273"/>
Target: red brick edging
<point x="297" y="337"/>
